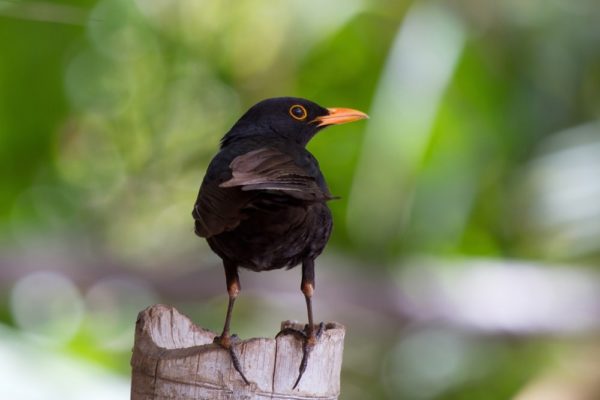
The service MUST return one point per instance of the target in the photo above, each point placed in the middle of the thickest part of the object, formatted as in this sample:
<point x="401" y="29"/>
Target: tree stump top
<point x="175" y="359"/>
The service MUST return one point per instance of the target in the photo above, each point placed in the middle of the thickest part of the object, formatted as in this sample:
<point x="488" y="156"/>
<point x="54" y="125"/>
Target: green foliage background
<point x="110" y="111"/>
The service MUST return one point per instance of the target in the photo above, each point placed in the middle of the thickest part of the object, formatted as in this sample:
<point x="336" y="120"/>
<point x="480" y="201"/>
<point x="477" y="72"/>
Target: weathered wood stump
<point x="175" y="359"/>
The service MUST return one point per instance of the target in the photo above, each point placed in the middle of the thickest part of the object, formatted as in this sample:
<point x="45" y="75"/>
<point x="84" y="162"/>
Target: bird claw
<point x="309" y="339"/>
<point x="228" y="343"/>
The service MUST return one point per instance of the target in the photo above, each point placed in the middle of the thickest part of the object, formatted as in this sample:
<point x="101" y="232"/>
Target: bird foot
<point x="228" y="343"/>
<point x="309" y="340"/>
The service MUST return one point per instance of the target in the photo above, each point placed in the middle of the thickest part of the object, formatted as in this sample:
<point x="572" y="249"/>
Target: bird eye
<point x="298" y="112"/>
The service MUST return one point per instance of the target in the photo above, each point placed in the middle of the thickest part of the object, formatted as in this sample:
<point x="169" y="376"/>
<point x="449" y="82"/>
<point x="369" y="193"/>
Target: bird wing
<point x="270" y="169"/>
<point x="218" y="210"/>
<point x="254" y="177"/>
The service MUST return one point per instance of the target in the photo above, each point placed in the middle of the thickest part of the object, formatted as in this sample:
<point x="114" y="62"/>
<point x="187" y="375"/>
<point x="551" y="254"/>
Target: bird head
<point x="292" y="118"/>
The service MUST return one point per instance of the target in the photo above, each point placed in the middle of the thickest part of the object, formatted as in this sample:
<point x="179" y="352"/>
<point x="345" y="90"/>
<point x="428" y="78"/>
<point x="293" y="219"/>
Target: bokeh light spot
<point x="425" y="363"/>
<point x="113" y="303"/>
<point x="48" y="306"/>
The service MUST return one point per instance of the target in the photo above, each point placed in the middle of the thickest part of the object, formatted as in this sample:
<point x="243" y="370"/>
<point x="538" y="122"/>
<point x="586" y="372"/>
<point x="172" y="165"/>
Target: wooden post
<point x="175" y="359"/>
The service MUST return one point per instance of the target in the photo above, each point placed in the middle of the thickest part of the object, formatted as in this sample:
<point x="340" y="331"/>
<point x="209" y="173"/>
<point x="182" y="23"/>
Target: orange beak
<point x="338" y="116"/>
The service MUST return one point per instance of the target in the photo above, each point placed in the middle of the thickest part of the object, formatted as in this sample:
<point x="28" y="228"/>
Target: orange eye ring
<point x="298" y="112"/>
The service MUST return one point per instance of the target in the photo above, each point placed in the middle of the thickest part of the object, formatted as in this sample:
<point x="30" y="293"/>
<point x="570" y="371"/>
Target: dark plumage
<point x="262" y="204"/>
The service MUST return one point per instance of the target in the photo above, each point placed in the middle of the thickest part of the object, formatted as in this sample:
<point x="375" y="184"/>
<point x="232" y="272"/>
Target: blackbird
<point x="262" y="203"/>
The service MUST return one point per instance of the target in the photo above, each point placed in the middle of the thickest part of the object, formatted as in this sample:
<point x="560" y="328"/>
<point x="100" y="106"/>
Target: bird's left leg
<point x="310" y="335"/>
<point x="225" y="340"/>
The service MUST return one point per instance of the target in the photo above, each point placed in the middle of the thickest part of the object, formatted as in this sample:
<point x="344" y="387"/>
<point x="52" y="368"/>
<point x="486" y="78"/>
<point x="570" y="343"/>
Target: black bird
<point x="262" y="204"/>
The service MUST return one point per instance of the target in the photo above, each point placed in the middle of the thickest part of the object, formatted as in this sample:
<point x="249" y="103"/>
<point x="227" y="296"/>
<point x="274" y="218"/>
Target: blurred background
<point x="466" y="251"/>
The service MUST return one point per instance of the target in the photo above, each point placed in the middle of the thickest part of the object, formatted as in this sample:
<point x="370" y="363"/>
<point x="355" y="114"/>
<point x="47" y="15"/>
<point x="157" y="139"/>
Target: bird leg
<point x="309" y="335"/>
<point x="225" y="340"/>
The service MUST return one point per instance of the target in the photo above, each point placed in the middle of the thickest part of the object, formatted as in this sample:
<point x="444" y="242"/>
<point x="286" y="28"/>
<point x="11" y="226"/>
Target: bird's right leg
<point x="225" y="340"/>
<point x="310" y="335"/>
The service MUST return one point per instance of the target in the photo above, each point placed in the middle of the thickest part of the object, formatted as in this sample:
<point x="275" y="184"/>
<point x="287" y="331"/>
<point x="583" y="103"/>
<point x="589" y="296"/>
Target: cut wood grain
<point x="175" y="359"/>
